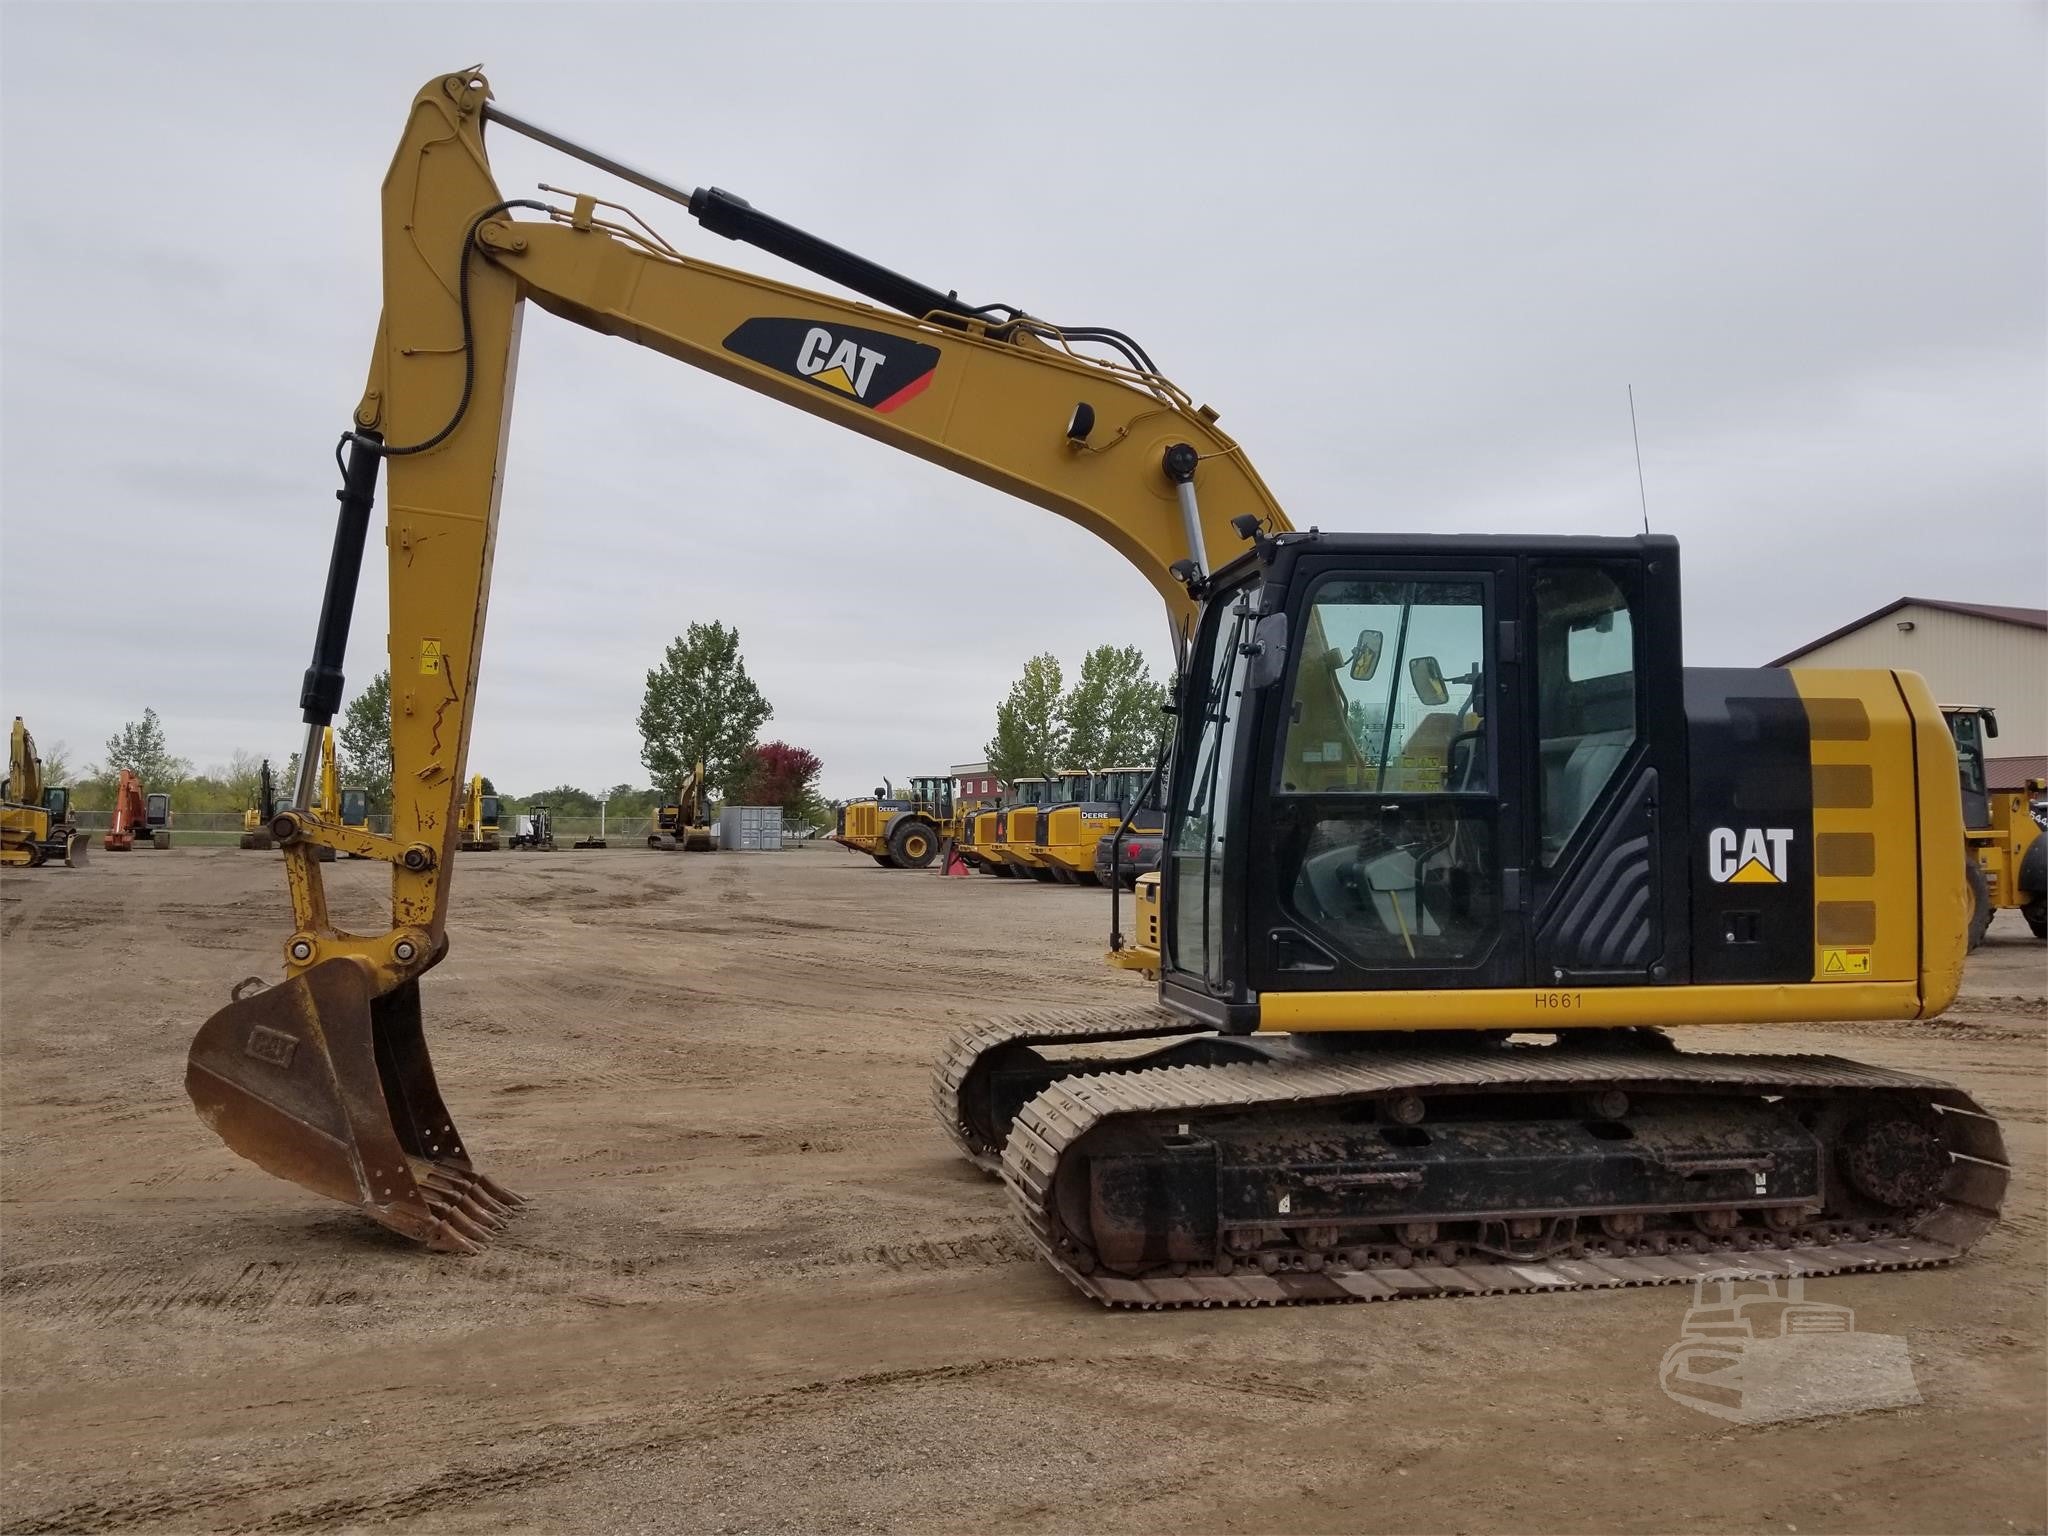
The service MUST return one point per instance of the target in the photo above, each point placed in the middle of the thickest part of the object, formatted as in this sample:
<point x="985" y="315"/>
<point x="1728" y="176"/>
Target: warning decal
<point x="430" y="658"/>
<point x="1840" y="964"/>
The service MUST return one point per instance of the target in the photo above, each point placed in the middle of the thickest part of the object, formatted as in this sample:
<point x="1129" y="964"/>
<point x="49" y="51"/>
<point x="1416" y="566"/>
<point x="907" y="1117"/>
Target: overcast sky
<point x="1414" y="255"/>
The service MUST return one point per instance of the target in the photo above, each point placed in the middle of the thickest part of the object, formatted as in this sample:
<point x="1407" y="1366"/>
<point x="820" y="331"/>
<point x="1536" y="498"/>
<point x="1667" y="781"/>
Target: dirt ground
<point x="755" y="1290"/>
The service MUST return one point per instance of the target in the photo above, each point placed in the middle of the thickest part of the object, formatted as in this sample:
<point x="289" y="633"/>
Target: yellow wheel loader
<point x="2008" y="857"/>
<point x="1090" y="807"/>
<point x="684" y="824"/>
<point x="900" y="831"/>
<point x="35" y="817"/>
<point x="1416" y="1024"/>
<point x="1016" y="830"/>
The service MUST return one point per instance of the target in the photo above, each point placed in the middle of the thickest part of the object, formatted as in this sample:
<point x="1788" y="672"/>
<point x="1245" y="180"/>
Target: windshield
<point x="1388" y="682"/>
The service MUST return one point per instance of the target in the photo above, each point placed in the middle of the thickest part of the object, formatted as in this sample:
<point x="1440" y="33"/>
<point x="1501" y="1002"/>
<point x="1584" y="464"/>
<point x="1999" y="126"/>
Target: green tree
<point x="1030" y="736"/>
<point x="563" y="800"/>
<point x="362" y="742"/>
<point x="241" y="773"/>
<point x="140" y="747"/>
<point x="700" y="706"/>
<point x="1112" y="713"/>
<point x="56" y="764"/>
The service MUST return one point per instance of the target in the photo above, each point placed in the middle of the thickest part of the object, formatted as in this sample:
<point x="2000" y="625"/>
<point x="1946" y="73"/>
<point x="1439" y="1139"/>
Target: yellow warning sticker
<point x="1844" y="964"/>
<point x="430" y="658"/>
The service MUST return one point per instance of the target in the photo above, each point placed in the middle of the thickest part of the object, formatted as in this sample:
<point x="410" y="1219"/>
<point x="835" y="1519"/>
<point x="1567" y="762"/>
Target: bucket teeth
<point x="458" y="1223"/>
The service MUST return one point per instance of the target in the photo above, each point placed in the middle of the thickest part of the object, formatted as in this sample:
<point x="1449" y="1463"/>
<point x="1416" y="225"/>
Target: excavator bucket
<point x="321" y="1082"/>
<point x="75" y="847"/>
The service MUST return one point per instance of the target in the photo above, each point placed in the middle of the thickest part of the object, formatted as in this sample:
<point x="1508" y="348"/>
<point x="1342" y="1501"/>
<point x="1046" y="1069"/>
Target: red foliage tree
<point x="777" y="773"/>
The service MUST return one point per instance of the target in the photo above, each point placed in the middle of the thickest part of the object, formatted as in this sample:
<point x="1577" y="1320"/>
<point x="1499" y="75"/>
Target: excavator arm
<point x="325" y="1079"/>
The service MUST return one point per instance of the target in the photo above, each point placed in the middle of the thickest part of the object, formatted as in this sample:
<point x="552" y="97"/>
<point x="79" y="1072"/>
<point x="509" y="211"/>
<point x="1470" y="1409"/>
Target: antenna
<point x="1638" y="437"/>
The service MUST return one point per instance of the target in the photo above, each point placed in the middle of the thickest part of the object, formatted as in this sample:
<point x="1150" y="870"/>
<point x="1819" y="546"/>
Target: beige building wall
<point x="1965" y="659"/>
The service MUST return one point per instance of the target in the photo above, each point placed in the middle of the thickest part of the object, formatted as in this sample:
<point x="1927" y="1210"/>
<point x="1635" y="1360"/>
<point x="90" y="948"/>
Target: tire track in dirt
<point x="469" y="1480"/>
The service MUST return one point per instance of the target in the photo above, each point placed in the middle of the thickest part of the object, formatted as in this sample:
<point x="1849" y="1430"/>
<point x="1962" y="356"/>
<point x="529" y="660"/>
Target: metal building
<point x="1970" y="653"/>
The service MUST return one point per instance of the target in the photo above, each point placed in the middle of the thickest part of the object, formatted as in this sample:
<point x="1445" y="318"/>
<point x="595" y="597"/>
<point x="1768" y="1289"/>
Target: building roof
<point x="2013" y="772"/>
<point x="2026" y="618"/>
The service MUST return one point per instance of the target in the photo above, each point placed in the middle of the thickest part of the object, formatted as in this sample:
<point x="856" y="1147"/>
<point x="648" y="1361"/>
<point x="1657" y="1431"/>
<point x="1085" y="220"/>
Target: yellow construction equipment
<point x="35" y="818"/>
<point x="685" y="823"/>
<point x="256" y="819"/>
<point x="2008" y="858"/>
<point x="1014" y="843"/>
<point x="1425" y="793"/>
<point x="901" y="831"/>
<point x="1088" y="807"/>
<point x="480" y="817"/>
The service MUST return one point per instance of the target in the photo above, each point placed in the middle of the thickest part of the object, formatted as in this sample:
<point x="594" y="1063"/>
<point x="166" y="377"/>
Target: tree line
<point x="699" y="705"/>
<point x="1113" y="716"/>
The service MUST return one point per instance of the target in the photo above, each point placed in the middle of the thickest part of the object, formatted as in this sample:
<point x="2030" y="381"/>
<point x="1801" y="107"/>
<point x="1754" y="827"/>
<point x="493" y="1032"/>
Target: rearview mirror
<point x="1428" y="679"/>
<point x="1365" y="656"/>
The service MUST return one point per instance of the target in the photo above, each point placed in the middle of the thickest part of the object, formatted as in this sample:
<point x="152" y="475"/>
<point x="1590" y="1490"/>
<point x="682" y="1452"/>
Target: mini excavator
<point x="1455" y="844"/>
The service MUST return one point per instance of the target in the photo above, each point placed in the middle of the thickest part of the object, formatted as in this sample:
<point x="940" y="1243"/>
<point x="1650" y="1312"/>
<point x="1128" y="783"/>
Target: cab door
<point x="1388" y="847"/>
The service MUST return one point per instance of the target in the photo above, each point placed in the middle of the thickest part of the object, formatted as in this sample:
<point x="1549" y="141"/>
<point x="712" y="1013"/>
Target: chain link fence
<point x="223" y="829"/>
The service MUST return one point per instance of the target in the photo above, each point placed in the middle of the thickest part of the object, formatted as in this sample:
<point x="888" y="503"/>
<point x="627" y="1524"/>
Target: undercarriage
<point x="1155" y="1164"/>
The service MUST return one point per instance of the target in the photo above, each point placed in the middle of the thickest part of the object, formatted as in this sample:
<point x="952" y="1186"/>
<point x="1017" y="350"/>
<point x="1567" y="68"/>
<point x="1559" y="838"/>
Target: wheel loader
<point x="1457" y="847"/>
<point x="2007" y="856"/>
<point x="1016" y="831"/>
<point x="900" y="831"/>
<point x="35" y="817"/>
<point x="1090" y="807"/>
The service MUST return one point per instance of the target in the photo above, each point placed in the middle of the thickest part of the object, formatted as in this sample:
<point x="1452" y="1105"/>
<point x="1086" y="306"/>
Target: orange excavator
<point x="140" y="820"/>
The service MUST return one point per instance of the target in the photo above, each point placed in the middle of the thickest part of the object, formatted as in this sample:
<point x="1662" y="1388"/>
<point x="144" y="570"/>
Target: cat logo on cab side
<point x="1749" y="855"/>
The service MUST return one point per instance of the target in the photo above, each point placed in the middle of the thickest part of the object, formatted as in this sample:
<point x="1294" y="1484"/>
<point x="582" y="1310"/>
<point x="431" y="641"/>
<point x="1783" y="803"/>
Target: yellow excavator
<point x="480" y="813"/>
<point x="256" y="819"/>
<point x="1455" y="843"/>
<point x="35" y="817"/>
<point x="684" y="824"/>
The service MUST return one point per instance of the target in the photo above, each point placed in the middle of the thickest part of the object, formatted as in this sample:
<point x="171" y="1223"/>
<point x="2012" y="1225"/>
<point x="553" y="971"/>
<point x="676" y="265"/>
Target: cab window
<point x="1585" y="694"/>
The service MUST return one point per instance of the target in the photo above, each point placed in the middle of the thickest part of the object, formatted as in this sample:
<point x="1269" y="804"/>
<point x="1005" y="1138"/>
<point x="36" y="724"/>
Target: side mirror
<point x="1365" y="655"/>
<point x="1268" y="651"/>
<point x="1428" y="679"/>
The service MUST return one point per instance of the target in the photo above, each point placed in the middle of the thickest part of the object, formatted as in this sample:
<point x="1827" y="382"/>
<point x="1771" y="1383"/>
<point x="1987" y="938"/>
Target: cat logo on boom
<point x="1749" y="856"/>
<point x="872" y="368"/>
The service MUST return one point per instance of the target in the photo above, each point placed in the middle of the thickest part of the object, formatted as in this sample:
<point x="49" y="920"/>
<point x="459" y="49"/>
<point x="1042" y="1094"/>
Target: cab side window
<point x="1586" y="707"/>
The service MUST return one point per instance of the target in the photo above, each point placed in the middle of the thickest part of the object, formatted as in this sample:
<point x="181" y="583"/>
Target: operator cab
<point x="1416" y="762"/>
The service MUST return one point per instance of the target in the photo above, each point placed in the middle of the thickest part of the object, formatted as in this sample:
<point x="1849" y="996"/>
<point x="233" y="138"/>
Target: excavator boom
<point x="325" y="1079"/>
